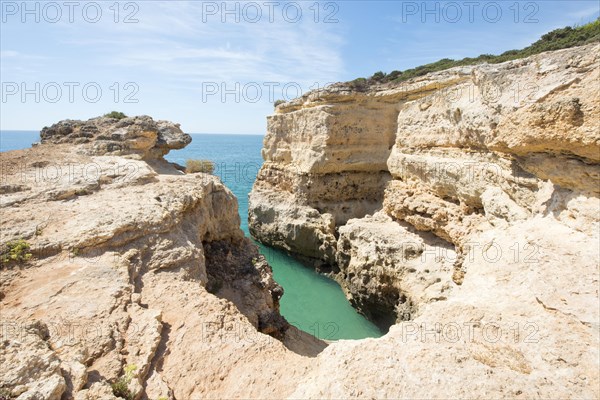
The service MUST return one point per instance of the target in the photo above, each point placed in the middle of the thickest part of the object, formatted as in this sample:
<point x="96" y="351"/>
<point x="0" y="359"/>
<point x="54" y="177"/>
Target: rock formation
<point x="462" y="210"/>
<point x="454" y="153"/>
<point x="125" y="249"/>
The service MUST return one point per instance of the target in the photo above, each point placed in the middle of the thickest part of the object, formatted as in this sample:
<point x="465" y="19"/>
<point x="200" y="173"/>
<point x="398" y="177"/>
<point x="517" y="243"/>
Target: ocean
<point x="311" y="302"/>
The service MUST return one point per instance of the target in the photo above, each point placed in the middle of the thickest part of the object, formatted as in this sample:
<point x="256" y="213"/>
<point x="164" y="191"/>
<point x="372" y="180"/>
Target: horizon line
<point x="189" y="133"/>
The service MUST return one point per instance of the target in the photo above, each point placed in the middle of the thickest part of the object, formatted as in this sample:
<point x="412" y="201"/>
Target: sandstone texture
<point x="460" y="210"/>
<point x="135" y="266"/>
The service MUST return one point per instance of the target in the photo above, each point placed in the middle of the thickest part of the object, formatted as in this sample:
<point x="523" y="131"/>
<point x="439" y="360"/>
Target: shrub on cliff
<point x="120" y="387"/>
<point x="359" y="84"/>
<point x="278" y="102"/>
<point x="378" y="76"/>
<point x="555" y="40"/>
<point x="193" y="166"/>
<point x="16" y="251"/>
<point x="115" y="115"/>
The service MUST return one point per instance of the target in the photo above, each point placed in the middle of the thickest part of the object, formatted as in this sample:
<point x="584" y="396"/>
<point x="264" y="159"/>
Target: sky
<point x="217" y="67"/>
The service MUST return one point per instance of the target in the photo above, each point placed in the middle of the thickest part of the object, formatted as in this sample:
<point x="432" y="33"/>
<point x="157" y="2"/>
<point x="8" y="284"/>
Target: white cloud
<point x="169" y="53"/>
<point x="174" y="41"/>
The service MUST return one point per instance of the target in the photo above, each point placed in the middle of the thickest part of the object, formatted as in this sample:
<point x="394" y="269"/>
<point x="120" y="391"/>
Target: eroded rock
<point x="123" y="249"/>
<point x="490" y="195"/>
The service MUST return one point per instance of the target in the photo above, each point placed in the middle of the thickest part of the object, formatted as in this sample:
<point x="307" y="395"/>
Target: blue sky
<point x="218" y="72"/>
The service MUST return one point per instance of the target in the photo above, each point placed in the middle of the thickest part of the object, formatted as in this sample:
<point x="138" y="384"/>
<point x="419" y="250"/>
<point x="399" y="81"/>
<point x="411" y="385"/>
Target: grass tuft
<point x="16" y="251"/>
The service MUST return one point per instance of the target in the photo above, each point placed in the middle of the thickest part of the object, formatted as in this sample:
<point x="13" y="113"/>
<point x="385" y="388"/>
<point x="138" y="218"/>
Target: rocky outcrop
<point x="454" y="153"/>
<point x="138" y="274"/>
<point x="388" y="269"/>
<point x="523" y="324"/>
<point x="101" y="136"/>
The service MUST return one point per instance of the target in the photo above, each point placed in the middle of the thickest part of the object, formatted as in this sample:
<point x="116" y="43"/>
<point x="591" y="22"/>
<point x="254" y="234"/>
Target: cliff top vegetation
<point x="557" y="39"/>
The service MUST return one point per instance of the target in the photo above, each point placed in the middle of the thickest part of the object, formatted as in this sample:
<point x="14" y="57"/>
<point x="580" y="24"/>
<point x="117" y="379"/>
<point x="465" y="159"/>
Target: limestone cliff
<point x="464" y="197"/>
<point x="453" y="154"/>
<point x="134" y="271"/>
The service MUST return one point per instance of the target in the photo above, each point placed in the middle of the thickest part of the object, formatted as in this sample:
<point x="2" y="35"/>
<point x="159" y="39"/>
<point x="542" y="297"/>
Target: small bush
<point x="278" y="102"/>
<point x="378" y="76"/>
<point x="359" y="84"/>
<point x="193" y="166"/>
<point x="121" y="390"/>
<point x="119" y="387"/>
<point x="15" y="251"/>
<point x="395" y="74"/>
<point x="115" y="115"/>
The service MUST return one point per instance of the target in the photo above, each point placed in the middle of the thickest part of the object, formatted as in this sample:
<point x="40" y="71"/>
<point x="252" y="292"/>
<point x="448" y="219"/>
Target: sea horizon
<point x="189" y="133"/>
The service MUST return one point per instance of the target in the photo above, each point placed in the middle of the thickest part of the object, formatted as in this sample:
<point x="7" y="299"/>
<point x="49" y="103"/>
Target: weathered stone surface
<point x="388" y="271"/>
<point x="492" y="192"/>
<point x="133" y="135"/>
<point x="515" y="328"/>
<point x="30" y="369"/>
<point x="123" y="252"/>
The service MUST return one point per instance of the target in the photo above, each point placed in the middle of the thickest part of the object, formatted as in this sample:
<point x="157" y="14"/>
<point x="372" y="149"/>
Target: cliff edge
<point x="123" y="276"/>
<point x="461" y="211"/>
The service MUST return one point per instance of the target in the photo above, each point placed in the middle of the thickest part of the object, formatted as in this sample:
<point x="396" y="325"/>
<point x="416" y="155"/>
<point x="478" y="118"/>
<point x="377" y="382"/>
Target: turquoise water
<point x="311" y="302"/>
<point x="315" y="303"/>
<point x="237" y="160"/>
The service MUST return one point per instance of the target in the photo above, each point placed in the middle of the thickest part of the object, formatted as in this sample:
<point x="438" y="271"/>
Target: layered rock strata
<point x="359" y="183"/>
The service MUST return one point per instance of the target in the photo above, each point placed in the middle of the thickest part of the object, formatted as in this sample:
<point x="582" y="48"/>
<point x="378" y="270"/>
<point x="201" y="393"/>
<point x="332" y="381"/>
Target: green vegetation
<point x="16" y="251"/>
<point x="359" y="84"/>
<point x="115" y="115"/>
<point x="119" y="387"/>
<point x="278" y="102"/>
<point x="193" y="166"/>
<point x="555" y="40"/>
